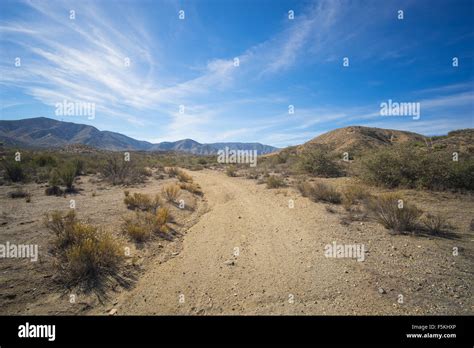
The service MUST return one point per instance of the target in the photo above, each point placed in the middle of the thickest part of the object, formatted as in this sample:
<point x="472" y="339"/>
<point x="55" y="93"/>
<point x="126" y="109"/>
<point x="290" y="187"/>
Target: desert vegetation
<point x="86" y="255"/>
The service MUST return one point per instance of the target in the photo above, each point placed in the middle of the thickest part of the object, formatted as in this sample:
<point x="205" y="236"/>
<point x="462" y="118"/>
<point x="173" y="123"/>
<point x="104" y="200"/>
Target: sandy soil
<point x="242" y="250"/>
<point x="281" y="267"/>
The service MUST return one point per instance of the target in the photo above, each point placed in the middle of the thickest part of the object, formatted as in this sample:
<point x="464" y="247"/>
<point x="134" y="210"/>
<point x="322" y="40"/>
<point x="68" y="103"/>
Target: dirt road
<point x="253" y="254"/>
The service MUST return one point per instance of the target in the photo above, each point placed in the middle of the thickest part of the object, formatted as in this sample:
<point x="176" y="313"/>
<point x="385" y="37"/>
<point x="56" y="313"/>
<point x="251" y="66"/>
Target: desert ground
<point x="242" y="248"/>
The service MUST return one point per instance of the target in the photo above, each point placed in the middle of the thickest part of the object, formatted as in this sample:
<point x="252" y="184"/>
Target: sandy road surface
<point x="280" y="269"/>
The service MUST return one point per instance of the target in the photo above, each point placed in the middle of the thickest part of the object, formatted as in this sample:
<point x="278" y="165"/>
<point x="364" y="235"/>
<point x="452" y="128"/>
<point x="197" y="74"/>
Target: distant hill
<point x="358" y="138"/>
<point x="42" y="132"/>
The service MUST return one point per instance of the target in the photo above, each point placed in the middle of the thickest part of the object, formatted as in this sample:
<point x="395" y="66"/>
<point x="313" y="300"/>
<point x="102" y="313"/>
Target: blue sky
<point x="282" y="62"/>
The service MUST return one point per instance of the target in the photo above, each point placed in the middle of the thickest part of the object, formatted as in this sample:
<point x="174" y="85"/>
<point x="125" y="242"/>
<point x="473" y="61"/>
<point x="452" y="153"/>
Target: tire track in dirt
<point x="280" y="269"/>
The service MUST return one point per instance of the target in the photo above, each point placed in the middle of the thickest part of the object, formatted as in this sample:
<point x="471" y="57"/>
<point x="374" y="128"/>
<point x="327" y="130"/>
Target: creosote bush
<point x="417" y="167"/>
<point x="317" y="161"/>
<point x="394" y="213"/>
<point x="13" y="171"/>
<point x="54" y="182"/>
<point x="68" y="175"/>
<point x="85" y="253"/>
<point x="274" y="181"/>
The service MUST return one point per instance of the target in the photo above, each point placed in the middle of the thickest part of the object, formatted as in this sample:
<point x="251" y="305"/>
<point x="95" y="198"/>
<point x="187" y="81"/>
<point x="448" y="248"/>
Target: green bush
<point x="45" y="160"/>
<point x="13" y="171"/>
<point x="317" y="161"/>
<point x="274" y="181"/>
<point x="68" y="175"/>
<point x="417" y="167"/>
<point x="54" y="182"/>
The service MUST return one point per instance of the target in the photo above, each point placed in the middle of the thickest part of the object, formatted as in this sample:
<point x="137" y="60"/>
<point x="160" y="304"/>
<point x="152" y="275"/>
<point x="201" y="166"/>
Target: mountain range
<point x="42" y="132"/>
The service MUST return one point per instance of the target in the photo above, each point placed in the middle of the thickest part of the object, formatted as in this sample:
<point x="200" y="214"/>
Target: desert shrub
<point x="13" y="171"/>
<point x="434" y="223"/>
<point x="325" y="193"/>
<point x="143" y="225"/>
<point x="319" y="192"/>
<point x="171" y="192"/>
<point x="317" y="161"/>
<point x="393" y="213"/>
<point x="172" y="172"/>
<point x="146" y="171"/>
<point x="191" y="187"/>
<point x="45" y="160"/>
<point x="67" y="175"/>
<point x="78" y="165"/>
<point x="141" y="201"/>
<point x="231" y="171"/>
<point x="252" y="174"/>
<point x="304" y="187"/>
<point x="274" y="181"/>
<point x="354" y="194"/>
<point x="163" y="217"/>
<point x="183" y="177"/>
<point x="84" y="252"/>
<point x="417" y="167"/>
<point x="54" y="181"/>
<point x="118" y="171"/>
<point x="139" y="232"/>
<point x="19" y="193"/>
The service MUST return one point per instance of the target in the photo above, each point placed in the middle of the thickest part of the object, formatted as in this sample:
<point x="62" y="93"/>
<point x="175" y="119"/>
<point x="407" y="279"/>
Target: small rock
<point x="382" y="291"/>
<point x="229" y="263"/>
<point x="113" y="311"/>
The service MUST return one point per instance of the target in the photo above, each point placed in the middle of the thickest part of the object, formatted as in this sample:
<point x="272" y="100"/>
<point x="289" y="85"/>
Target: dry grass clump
<point x="172" y="172"/>
<point x="274" y="181"/>
<point x="171" y="192"/>
<point x="191" y="187"/>
<point x="394" y="213"/>
<point x="183" y="177"/>
<point x="85" y="253"/>
<point x="142" y="201"/>
<point x="354" y="194"/>
<point x="319" y="192"/>
<point x="231" y="171"/>
<point x="143" y="225"/>
<point x="435" y="223"/>
<point x="19" y="193"/>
